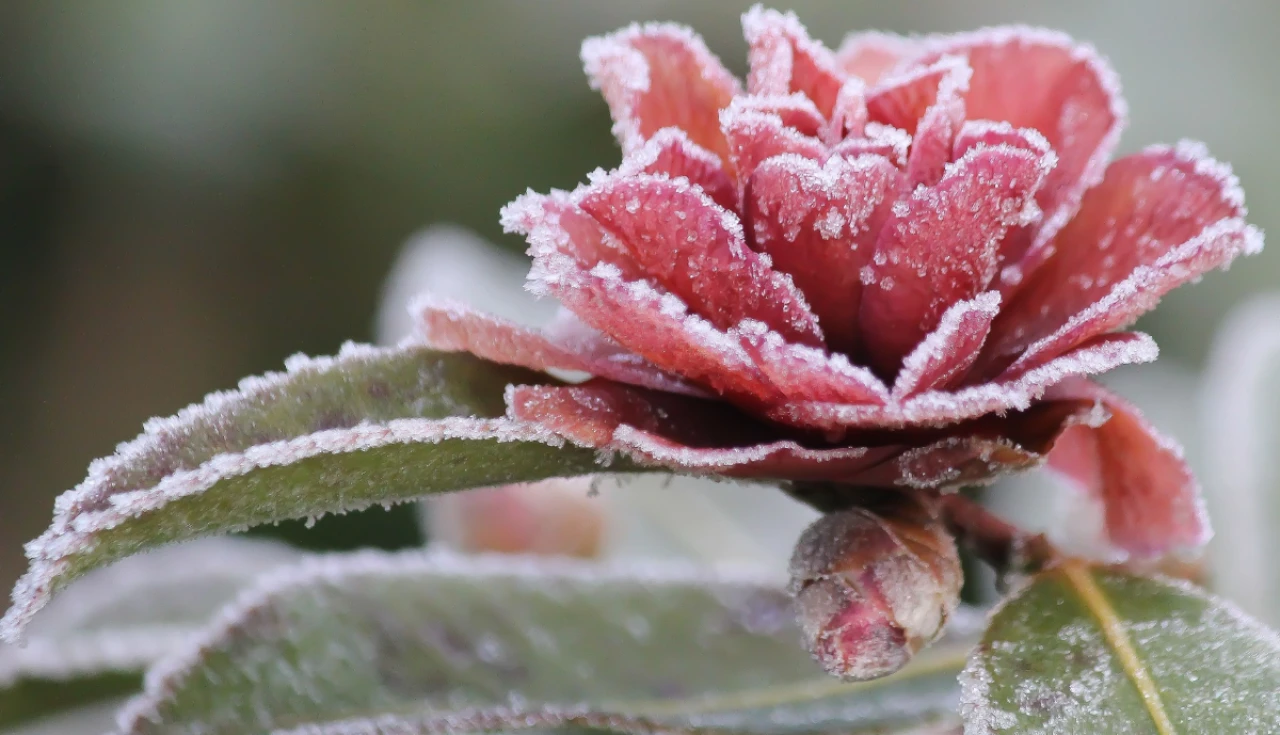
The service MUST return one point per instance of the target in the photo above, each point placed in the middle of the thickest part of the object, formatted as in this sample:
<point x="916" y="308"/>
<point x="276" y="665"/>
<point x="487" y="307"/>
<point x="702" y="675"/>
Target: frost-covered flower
<point x="888" y="265"/>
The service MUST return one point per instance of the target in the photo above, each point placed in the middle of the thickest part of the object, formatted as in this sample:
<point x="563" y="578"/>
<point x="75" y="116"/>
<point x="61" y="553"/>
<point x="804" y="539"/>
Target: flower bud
<point x="553" y="517"/>
<point x="873" y="587"/>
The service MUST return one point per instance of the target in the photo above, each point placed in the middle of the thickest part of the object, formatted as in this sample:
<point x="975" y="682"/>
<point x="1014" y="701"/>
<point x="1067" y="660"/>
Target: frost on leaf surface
<point x="95" y="641"/>
<point x="437" y="638"/>
<point x="329" y="435"/>
<point x="1084" y="650"/>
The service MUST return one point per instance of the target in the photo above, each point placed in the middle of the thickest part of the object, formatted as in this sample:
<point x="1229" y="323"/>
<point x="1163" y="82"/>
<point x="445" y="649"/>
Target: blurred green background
<point x="192" y="191"/>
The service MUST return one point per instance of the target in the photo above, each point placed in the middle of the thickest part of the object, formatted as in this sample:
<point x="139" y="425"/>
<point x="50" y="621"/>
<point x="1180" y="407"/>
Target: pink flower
<point x="886" y="266"/>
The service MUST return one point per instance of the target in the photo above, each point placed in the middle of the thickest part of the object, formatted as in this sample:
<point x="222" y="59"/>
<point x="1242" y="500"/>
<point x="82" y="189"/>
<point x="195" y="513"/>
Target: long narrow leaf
<point x="443" y="642"/>
<point x="329" y="435"/>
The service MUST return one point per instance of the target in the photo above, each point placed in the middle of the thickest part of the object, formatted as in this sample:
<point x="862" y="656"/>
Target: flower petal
<point x="936" y="131"/>
<point x="656" y="326"/>
<point x="981" y="451"/>
<point x="849" y="116"/>
<point x="818" y="223"/>
<point x="660" y="75"/>
<point x="944" y="357"/>
<point x="1034" y="78"/>
<point x="785" y="59"/>
<point x="902" y="100"/>
<point x="942" y="246"/>
<point x="1160" y="218"/>
<point x="976" y="133"/>
<point x="670" y="152"/>
<point x="756" y="136"/>
<point x="555" y="225"/>
<point x="795" y="110"/>
<point x="878" y="140"/>
<point x="870" y="55"/>
<point x="1152" y="502"/>
<point x="448" y="325"/>
<point x="683" y="434"/>
<point x="805" y="373"/>
<point x="937" y="408"/>
<point x="696" y="250"/>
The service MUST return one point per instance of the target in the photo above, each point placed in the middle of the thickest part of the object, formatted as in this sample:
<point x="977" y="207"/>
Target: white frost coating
<point x="101" y="479"/>
<point x="638" y="161"/>
<point x="939" y="408"/>
<point x="1083" y="53"/>
<point x="1095" y="167"/>
<point x="448" y="325"/>
<point x="67" y="657"/>
<point x="942" y="345"/>
<point x="745" y="128"/>
<point x="774" y="37"/>
<point x="560" y="275"/>
<point x="1238" y="403"/>
<point x="164" y="678"/>
<point x="797" y="371"/>
<point x="73" y="531"/>
<point x="528" y="214"/>
<point x="644" y="446"/>
<point x="180" y="584"/>
<point x="878" y="138"/>
<point x="621" y="72"/>
<point x="1215" y="246"/>
<point x="125" y="617"/>
<point x="794" y="104"/>
<point x="1216" y="658"/>
<point x="498" y="719"/>
<point x="1197" y="153"/>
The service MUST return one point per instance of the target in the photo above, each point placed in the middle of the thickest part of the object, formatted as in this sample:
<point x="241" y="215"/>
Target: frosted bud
<point x="873" y="587"/>
<point x="552" y="517"/>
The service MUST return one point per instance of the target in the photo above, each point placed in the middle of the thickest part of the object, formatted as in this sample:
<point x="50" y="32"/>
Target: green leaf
<point x="1099" y="651"/>
<point x="94" y="642"/>
<point x="449" y="643"/>
<point x="329" y="435"/>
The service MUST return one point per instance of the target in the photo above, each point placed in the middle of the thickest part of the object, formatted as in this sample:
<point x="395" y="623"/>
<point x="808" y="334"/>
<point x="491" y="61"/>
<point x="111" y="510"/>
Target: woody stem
<point x="1007" y="548"/>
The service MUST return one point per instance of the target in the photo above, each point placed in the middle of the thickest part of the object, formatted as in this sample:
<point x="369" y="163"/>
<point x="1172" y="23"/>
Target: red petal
<point x="671" y="152"/>
<point x="1160" y="218"/>
<point x="1040" y="79"/>
<point x="785" y="59"/>
<point x="696" y="250"/>
<point x="680" y="433"/>
<point x="447" y="325"/>
<point x="795" y="110"/>
<point x="756" y="136"/>
<point x="981" y="451"/>
<point x="902" y="100"/>
<point x="655" y="325"/>
<point x="553" y="224"/>
<point x="977" y="133"/>
<point x="870" y="55"/>
<point x="935" y="134"/>
<point x="1151" y="500"/>
<point x="936" y="408"/>
<point x="807" y="374"/>
<point x="941" y="246"/>
<point x="943" y="358"/>
<point x="818" y="223"/>
<point x="878" y="140"/>
<point x="849" y="116"/>
<point x="657" y="76"/>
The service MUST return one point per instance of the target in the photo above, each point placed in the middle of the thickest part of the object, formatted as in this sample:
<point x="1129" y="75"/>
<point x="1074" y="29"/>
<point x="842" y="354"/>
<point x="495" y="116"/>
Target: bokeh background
<point x="192" y="191"/>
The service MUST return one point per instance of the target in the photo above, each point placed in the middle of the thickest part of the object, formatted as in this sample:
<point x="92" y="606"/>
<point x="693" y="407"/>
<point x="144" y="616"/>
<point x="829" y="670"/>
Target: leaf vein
<point x="1080" y="578"/>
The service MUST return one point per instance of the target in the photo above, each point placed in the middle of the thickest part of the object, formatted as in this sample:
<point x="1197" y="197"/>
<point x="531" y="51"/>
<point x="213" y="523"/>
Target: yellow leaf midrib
<point x="1080" y="579"/>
